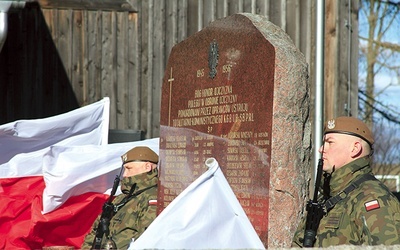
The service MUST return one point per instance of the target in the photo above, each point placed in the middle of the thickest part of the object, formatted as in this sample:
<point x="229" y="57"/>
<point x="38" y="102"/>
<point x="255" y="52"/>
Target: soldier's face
<point x="337" y="151"/>
<point x="135" y="168"/>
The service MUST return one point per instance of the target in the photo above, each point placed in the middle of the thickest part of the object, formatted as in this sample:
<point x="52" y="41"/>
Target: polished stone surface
<point x="237" y="91"/>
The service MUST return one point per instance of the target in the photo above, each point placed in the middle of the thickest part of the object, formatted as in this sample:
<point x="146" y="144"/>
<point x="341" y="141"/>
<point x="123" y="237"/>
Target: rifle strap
<point x="331" y="202"/>
<point x="127" y="198"/>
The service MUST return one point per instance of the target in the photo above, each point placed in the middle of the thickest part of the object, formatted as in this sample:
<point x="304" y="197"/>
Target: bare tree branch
<point x="386" y="45"/>
<point x="392" y="117"/>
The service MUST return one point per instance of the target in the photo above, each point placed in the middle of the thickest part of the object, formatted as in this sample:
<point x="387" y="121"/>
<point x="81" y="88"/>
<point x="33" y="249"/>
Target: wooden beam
<point x="110" y="5"/>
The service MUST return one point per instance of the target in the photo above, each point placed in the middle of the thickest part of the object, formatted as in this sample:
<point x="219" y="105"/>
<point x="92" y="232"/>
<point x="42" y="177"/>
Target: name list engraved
<point x="245" y="170"/>
<point x="175" y="152"/>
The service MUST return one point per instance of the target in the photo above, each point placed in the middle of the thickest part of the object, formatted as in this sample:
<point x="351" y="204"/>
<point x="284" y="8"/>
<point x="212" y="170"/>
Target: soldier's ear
<point x="357" y="149"/>
<point x="149" y="167"/>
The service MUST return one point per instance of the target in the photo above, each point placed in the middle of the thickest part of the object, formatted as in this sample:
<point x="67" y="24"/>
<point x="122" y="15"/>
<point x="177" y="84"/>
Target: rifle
<point x="315" y="210"/>
<point x="105" y="218"/>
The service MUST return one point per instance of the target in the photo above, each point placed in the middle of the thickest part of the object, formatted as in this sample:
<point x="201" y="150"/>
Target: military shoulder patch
<point x="371" y="205"/>
<point x="152" y="202"/>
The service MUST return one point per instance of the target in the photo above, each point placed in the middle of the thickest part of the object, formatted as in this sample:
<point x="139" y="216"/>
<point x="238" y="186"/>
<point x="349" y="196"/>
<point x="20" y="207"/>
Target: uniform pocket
<point x="334" y="220"/>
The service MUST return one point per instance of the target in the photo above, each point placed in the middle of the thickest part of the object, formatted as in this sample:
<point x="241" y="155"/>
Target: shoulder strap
<point x="130" y="197"/>
<point x="331" y="202"/>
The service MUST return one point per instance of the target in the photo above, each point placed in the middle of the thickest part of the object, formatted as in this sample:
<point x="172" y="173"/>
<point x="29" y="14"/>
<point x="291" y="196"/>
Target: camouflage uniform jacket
<point x="368" y="215"/>
<point x="135" y="216"/>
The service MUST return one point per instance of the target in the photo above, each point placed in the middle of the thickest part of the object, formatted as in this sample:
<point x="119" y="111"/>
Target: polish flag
<point x="206" y="215"/>
<point x="55" y="175"/>
<point x="371" y="205"/>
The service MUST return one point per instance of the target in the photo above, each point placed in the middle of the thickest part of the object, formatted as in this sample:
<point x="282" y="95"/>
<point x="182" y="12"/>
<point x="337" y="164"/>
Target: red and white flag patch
<point x="152" y="202"/>
<point x="371" y="205"/>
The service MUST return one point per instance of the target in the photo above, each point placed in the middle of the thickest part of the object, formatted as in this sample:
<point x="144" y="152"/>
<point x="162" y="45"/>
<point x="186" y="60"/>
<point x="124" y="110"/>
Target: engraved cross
<point x="170" y="80"/>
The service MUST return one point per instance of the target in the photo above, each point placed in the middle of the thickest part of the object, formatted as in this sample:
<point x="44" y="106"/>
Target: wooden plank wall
<point x="122" y="54"/>
<point x="341" y="53"/>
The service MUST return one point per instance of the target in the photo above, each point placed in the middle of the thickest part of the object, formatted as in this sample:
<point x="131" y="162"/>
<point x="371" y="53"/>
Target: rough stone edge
<point x="293" y="123"/>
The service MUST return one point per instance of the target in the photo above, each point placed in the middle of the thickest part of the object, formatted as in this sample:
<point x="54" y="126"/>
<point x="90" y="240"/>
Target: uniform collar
<point x="342" y="177"/>
<point x="141" y="180"/>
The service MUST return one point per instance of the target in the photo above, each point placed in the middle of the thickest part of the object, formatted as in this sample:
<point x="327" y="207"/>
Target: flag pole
<point x="319" y="81"/>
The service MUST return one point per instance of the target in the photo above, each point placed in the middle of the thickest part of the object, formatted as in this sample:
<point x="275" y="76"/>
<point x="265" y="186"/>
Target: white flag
<point x="206" y="215"/>
<point x="73" y="170"/>
<point x="23" y="143"/>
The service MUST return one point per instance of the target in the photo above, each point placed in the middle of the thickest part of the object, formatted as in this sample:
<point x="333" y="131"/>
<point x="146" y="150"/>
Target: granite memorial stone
<point x="237" y="91"/>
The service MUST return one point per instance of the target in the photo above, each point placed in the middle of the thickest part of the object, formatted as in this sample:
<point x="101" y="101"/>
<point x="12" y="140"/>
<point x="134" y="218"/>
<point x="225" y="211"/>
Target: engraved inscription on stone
<point x="219" y="100"/>
<point x="225" y="115"/>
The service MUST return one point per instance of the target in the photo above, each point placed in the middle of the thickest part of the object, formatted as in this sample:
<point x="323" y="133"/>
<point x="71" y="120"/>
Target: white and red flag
<point x="55" y="175"/>
<point x="206" y="215"/>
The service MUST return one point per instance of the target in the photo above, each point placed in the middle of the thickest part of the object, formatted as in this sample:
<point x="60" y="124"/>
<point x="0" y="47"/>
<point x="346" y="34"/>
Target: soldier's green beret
<point x="140" y="154"/>
<point x="350" y="126"/>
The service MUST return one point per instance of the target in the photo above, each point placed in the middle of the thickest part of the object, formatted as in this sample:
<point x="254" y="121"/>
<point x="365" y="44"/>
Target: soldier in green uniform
<point x="135" y="208"/>
<point x="358" y="209"/>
